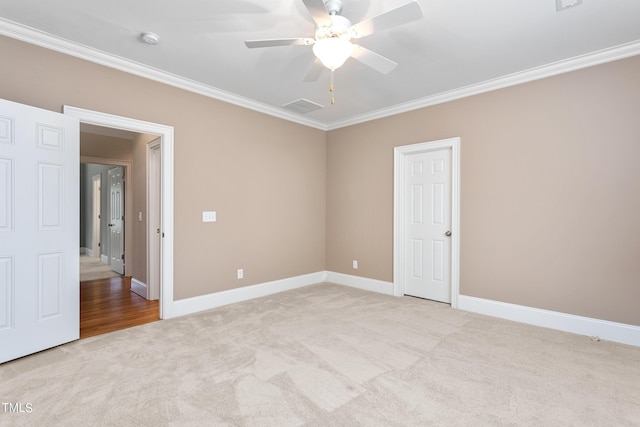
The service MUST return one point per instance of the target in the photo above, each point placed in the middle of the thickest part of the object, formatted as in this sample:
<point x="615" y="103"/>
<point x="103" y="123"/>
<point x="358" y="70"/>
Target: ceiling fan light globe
<point x="333" y="52"/>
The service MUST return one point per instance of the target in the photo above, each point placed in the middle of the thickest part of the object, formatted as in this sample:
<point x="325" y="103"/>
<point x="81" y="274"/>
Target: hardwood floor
<point x="108" y="305"/>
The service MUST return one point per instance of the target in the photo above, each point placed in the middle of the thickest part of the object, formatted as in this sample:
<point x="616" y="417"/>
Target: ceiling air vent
<point x="566" y="4"/>
<point x="302" y="106"/>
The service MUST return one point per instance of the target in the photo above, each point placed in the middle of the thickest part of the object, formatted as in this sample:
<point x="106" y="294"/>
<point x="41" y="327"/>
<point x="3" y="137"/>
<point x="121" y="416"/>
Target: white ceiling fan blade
<point x="398" y="16"/>
<point x="377" y="62"/>
<point x="318" y="12"/>
<point x="314" y="71"/>
<point x="278" y="42"/>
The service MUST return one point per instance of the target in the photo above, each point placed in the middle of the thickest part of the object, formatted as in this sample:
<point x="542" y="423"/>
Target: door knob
<point x="448" y="233"/>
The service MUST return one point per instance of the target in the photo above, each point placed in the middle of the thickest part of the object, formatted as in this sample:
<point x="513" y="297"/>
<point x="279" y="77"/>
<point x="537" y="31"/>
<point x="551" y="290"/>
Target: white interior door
<point x="97" y="183"/>
<point x="39" y="229"/>
<point x="427" y="264"/>
<point x="116" y="219"/>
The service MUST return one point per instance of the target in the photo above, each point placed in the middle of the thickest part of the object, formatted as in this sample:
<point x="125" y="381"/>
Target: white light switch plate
<point x="209" y="216"/>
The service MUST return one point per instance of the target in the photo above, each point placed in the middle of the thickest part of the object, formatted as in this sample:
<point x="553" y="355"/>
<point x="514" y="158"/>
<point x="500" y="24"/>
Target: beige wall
<point x="550" y="183"/>
<point x="550" y="191"/>
<point x="264" y="176"/>
<point x="105" y="147"/>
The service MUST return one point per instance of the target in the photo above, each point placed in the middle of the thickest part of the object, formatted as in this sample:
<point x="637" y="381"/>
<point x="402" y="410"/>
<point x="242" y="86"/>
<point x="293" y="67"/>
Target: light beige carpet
<point x="328" y="355"/>
<point x="92" y="269"/>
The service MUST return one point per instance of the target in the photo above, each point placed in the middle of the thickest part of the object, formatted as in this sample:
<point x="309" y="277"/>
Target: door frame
<point x="166" y="143"/>
<point x="399" y="210"/>
<point x="128" y="210"/>
<point x="154" y="199"/>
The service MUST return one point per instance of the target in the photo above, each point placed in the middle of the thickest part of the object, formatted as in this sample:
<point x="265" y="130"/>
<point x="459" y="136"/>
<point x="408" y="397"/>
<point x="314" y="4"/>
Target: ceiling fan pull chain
<point x="333" y="101"/>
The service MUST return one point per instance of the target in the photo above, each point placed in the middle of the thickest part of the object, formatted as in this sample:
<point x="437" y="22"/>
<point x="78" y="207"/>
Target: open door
<point x="116" y="219"/>
<point x="39" y="230"/>
<point x="95" y="229"/>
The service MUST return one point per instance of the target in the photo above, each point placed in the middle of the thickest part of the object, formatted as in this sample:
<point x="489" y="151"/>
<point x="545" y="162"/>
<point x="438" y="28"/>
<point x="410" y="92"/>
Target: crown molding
<point x="39" y="38"/>
<point x="30" y="35"/>
<point x="572" y="64"/>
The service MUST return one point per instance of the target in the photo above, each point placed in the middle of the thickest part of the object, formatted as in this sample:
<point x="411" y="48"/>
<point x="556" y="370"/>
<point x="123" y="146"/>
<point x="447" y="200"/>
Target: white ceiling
<point x="459" y="47"/>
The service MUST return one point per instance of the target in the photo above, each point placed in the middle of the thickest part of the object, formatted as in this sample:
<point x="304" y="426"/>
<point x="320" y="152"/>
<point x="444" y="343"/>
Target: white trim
<point x="30" y="35"/>
<point x="154" y="191"/>
<point x="611" y="331"/>
<point x="139" y="287"/>
<point x="372" y="285"/>
<point x="560" y="67"/>
<point x="104" y="259"/>
<point x="399" y="154"/>
<point x="205" y="302"/>
<point x="166" y="137"/>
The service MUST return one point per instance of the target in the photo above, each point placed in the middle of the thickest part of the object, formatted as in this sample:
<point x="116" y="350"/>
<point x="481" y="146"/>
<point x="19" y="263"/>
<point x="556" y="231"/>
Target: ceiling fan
<point x="332" y="44"/>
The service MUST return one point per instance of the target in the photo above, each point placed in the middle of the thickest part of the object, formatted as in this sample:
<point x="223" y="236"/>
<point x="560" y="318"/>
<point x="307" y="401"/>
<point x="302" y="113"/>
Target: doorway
<point x="106" y="301"/>
<point x="98" y="209"/>
<point x="441" y="254"/>
<point x="165" y="135"/>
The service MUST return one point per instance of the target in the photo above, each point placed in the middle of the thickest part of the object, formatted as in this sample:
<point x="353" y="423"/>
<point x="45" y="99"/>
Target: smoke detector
<point x="150" y="38"/>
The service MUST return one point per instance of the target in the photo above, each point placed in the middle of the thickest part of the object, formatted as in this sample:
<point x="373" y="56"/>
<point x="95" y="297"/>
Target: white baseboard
<point x="611" y="331"/>
<point x="364" y="283"/>
<point x="218" y="299"/>
<point x="104" y="259"/>
<point x="139" y="287"/>
<point x="86" y="251"/>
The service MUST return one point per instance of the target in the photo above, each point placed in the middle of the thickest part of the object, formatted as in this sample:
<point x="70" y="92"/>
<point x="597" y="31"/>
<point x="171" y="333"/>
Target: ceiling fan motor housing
<point x="340" y="28"/>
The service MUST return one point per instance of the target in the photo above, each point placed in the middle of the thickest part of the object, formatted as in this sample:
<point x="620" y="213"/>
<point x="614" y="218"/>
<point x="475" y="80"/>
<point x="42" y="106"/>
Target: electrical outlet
<point x="355" y="264"/>
<point x="240" y="273"/>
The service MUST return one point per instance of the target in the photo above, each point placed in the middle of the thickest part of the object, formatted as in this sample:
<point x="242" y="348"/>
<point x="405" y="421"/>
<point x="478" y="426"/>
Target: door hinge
<point x="122" y="256"/>
<point x="99" y="244"/>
